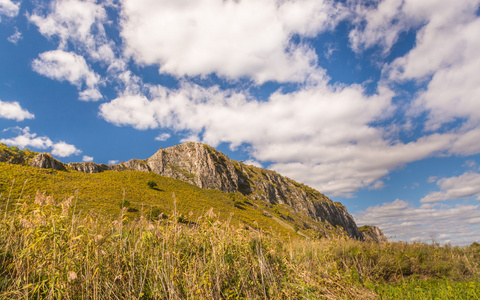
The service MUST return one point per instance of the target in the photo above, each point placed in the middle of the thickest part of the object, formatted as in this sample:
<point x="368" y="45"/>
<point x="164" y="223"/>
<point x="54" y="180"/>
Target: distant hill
<point x="196" y="174"/>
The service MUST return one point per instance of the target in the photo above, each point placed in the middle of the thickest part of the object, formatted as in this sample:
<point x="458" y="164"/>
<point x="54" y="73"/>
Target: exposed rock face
<point x="88" y="167"/>
<point x="45" y="161"/>
<point x="205" y="167"/>
<point x="373" y="234"/>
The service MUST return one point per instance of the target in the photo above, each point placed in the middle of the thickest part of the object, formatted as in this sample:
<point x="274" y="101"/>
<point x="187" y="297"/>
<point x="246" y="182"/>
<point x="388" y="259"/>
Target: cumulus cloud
<point x="68" y="66"/>
<point x="63" y="149"/>
<point x="13" y="111"/>
<point x="28" y="139"/>
<point x="113" y="162"/>
<point x="14" y="38"/>
<point x="8" y="8"/>
<point x="448" y="54"/>
<point x="163" y="137"/>
<point x="459" y="224"/>
<point x="230" y="38"/>
<point x="79" y="22"/>
<point x="253" y="162"/>
<point x="452" y="188"/>
<point x="87" y="158"/>
<point x="444" y="56"/>
<point x="320" y="135"/>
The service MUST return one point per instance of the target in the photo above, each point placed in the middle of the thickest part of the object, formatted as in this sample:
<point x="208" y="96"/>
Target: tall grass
<point x="50" y="250"/>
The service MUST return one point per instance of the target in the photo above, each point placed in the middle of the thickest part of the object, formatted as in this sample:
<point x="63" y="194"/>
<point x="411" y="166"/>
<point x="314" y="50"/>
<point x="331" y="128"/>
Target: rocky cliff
<point x="372" y="234"/>
<point x="45" y="161"/>
<point x="205" y="167"/>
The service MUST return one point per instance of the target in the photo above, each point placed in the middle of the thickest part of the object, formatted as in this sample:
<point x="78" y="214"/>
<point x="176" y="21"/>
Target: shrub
<point x="152" y="184"/>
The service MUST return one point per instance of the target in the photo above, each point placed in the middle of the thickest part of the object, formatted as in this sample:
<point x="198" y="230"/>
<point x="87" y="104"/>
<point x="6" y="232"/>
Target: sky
<point x="374" y="103"/>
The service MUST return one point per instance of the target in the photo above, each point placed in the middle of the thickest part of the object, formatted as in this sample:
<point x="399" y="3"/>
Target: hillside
<point x="204" y="178"/>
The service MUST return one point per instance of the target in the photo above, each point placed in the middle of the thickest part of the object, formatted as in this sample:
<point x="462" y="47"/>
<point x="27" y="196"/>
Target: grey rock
<point x="205" y="167"/>
<point x="45" y="161"/>
<point x="88" y="167"/>
<point x="373" y="234"/>
<point x="208" y="168"/>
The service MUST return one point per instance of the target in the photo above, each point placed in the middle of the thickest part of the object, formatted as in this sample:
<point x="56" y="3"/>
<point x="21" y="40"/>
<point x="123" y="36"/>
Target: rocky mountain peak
<point x="205" y="167"/>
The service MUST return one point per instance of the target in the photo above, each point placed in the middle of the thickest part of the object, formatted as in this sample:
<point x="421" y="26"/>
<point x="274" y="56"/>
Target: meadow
<point x="51" y="250"/>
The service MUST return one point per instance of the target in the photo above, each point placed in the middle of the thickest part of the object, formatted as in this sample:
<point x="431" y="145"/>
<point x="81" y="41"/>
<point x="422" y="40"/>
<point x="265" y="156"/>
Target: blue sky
<point x="374" y="103"/>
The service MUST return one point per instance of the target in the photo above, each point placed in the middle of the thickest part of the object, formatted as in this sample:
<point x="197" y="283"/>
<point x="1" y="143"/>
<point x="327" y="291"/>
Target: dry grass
<point x="50" y="250"/>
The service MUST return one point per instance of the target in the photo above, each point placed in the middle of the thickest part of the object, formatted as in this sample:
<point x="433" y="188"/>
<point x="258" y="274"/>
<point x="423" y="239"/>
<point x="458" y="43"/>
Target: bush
<point x="152" y="184"/>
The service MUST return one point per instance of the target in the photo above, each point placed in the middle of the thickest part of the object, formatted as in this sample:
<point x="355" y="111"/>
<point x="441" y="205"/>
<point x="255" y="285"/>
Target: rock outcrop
<point x="205" y="167"/>
<point x="373" y="234"/>
<point x="90" y="167"/>
<point x="208" y="168"/>
<point x="45" y="161"/>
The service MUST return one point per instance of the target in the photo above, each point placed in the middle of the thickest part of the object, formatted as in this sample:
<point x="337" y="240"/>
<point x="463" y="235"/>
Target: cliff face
<point x="205" y="167"/>
<point x="373" y="234"/>
<point x="45" y="161"/>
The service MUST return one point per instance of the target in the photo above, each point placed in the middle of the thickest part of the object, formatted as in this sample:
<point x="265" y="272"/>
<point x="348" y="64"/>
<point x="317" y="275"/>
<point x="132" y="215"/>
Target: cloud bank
<point x="399" y="220"/>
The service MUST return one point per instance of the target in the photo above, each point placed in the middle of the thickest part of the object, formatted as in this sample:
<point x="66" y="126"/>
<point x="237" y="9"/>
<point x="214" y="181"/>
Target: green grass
<point x="137" y="235"/>
<point x="51" y="250"/>
<point x="430" y="289"/>
<point x="104" y="192"/>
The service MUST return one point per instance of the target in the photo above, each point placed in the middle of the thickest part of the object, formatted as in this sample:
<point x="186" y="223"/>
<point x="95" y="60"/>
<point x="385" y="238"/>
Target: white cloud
<point x="14" y="38"/>
<point x="445" y="54"/>
<point x="449" y="54"/>
<point x="87" y="158"/>
<point x="79" y="22"/>
<point x="13" y="111"/>
<point x="319" y="135"/>
<point x="63" y="149"/>
<point x="113" y="162"/>
<point x="452" y="188"/>
<point x="230" y="38"/>
<point x="8" y="8"/>
<point x="399" y="220"/>
<point x="253" y="162"/>
<point x="68" y="66"/>
<point x="27" y="139"/>
<point x="163" y="137"/>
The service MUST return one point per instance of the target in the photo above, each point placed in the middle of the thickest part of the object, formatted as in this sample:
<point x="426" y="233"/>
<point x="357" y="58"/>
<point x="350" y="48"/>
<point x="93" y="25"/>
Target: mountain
<point x="207" y="168"/>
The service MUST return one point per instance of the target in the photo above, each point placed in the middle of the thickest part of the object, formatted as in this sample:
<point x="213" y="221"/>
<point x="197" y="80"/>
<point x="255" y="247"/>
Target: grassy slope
<point x="53" y="252"/>
<point x="105" y="192"/>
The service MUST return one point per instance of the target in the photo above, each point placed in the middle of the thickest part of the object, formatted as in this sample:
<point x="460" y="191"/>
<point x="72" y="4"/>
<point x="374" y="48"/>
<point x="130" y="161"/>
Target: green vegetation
<point x="111" y="235"/>
<point x="152" y="184"/>
<point x="106" y="191"/>
<point x="14" y="155"/>
<point x="50" y="250"/>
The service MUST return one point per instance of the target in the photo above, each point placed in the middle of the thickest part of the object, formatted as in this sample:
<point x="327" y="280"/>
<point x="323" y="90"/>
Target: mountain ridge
<point x="205" y="167"/>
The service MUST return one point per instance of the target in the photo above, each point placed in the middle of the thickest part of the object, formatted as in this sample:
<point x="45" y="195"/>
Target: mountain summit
<point x="207" y="168"/>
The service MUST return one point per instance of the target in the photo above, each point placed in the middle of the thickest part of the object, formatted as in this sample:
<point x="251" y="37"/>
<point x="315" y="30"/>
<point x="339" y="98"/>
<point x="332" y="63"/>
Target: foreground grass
<point x="49" y="250"/>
